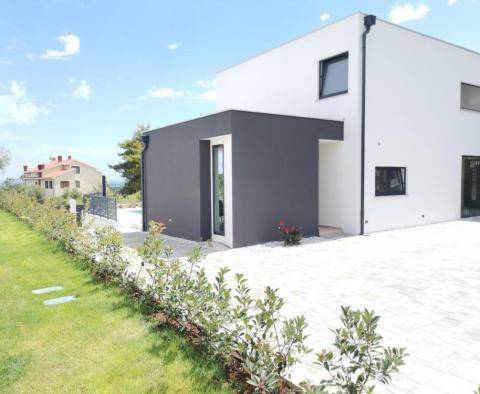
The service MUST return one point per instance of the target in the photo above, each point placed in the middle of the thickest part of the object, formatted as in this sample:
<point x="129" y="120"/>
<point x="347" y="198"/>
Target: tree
<point x="129" y="166"/>
<point x="4" y="158"/>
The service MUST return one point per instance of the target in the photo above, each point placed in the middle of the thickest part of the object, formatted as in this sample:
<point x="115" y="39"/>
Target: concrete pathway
<point x="424" y="282"/>
<point x="129" y="223"/>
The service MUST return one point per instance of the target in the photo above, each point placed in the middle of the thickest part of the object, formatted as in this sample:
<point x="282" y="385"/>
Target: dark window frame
<point x="461" y="106"/>
<point x="77" y="169"/>
<point x="403" y="192"/>
<point x="321" y="74"/>
<point x="77" y="184"/>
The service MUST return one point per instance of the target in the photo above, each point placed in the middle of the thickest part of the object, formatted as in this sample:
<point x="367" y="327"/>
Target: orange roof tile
<point x="56" y="174"/>
<point x="55" y="163"/>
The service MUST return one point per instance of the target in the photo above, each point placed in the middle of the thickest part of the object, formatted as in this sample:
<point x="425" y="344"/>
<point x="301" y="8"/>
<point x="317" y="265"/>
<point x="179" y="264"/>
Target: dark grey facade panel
<point x="275" y="174"/>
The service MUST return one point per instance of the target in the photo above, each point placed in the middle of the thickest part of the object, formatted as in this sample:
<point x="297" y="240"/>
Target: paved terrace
<point x="424" y="282"/>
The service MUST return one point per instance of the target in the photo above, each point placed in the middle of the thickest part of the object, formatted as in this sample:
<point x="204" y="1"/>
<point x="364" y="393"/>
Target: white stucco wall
<point x="414" y="120"/>
<point x="284" y="80"/>
<point x="330" y="178"/>
<point x="413" y="117"/>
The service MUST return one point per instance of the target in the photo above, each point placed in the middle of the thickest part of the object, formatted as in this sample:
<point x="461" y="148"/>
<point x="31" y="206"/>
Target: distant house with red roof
<point x="59" y="175"/>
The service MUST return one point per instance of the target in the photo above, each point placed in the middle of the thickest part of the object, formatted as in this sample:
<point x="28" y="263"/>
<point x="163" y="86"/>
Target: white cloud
<point x="401" y="13"/>
<point x="169" y="93"/>
<point x="205" y="83"/>
<point x="324" y="16"/>
<point x="15" y="108"/>
<point x="5" y="62"/>
<point x="203" y="90"/>
<point x="209" y="95"/>
<point x="71" y="46"/>
<point x="451" y="2"/>
<point x="165" y="93"/>
<point x="174" y="45"/>
<point x="82" y="91"/>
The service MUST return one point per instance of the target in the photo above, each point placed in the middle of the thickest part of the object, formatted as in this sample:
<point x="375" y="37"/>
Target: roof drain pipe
<point x="145" y="140"/>
<point x="368" y="21"/>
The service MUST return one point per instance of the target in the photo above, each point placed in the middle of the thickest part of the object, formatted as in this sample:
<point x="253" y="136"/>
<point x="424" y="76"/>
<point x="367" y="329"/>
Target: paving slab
<point x="423" y="281"/>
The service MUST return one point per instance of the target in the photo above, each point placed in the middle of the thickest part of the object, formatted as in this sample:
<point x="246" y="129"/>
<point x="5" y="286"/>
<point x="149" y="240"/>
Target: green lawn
<point x="95" y="344"/>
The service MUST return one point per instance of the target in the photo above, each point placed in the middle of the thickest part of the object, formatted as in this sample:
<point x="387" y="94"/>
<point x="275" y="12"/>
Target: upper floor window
<point x="77" y="184"/>
<point x="390" y="181"/>
<point x="77" y="169"/>
<point x="334" y="75"/>
<point x="470" y="97"/>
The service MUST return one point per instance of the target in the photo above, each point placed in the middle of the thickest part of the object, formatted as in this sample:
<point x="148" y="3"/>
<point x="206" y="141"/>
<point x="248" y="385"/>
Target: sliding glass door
<point x="218" y="195"/>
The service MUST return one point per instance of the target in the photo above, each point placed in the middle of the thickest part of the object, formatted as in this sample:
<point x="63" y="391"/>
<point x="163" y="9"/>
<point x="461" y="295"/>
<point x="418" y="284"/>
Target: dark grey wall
<point x="275" y="173"/>
<point x="172" y="174"/>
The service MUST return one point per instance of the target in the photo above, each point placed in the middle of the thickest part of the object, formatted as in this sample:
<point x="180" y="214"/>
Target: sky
<point x="76" y="77"/>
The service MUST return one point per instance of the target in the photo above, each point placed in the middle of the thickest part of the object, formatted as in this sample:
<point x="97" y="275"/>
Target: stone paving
<point x="424" y="282"/>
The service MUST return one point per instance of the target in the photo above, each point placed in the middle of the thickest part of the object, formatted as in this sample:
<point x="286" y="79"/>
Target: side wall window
<point x="333" y="75"/>
<point x="470" y="97"/>
<point x="390" y="181"/>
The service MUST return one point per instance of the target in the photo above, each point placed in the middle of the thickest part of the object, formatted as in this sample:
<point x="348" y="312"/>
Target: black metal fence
<point x="105" y="207"/>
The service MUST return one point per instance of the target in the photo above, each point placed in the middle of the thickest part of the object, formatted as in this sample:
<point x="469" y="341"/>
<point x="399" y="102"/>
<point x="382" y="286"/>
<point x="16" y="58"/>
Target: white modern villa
<point x="393" y="117"/>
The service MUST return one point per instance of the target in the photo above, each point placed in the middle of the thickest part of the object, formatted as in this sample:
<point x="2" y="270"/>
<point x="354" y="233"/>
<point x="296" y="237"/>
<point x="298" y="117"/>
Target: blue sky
<point x="77" y="76"/>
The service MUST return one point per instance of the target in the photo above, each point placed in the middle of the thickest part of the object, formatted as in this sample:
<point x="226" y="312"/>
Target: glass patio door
<point x="218" y="193"/>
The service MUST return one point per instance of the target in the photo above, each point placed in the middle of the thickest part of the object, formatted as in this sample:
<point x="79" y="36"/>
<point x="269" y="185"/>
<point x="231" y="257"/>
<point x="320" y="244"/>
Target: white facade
<point x="413" y="117"/>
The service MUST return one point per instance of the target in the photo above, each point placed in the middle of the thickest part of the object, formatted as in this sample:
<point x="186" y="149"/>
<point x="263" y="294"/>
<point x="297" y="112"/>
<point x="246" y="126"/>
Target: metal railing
<point x="99" y="205"/>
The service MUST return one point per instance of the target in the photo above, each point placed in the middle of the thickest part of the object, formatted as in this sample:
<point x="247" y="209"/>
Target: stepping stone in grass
<point x="47" y="290"/>
<point x="59" y="300"/>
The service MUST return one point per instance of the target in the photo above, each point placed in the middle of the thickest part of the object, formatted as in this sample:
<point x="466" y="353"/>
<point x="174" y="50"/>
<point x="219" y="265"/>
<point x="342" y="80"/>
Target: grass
<point x="98" y="343"/>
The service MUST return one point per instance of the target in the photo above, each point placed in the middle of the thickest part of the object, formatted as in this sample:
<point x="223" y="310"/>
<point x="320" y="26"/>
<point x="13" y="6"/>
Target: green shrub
<point x="131" y="200"/>
<point x="35" y="192"/>
<point x="109" y="256"/>
<point x="361" y="356"/>
<point x="228" y="320"/>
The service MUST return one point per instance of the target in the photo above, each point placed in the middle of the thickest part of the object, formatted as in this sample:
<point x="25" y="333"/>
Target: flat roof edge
<point x="241" y="111"/>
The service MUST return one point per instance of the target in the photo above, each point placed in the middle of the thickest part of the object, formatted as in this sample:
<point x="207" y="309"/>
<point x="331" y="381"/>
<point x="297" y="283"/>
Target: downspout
<point x="368" y="22"/>
<point x="145" y="141"/>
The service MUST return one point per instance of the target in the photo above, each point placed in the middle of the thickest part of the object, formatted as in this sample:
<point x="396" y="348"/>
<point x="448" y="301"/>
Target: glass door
<point x="218" y="195"/>
<point x="471" y="187"/>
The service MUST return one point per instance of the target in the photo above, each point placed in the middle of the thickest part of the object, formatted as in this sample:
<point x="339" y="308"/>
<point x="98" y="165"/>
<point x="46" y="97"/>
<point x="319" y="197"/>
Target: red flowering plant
<point x="291" y="235"/>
